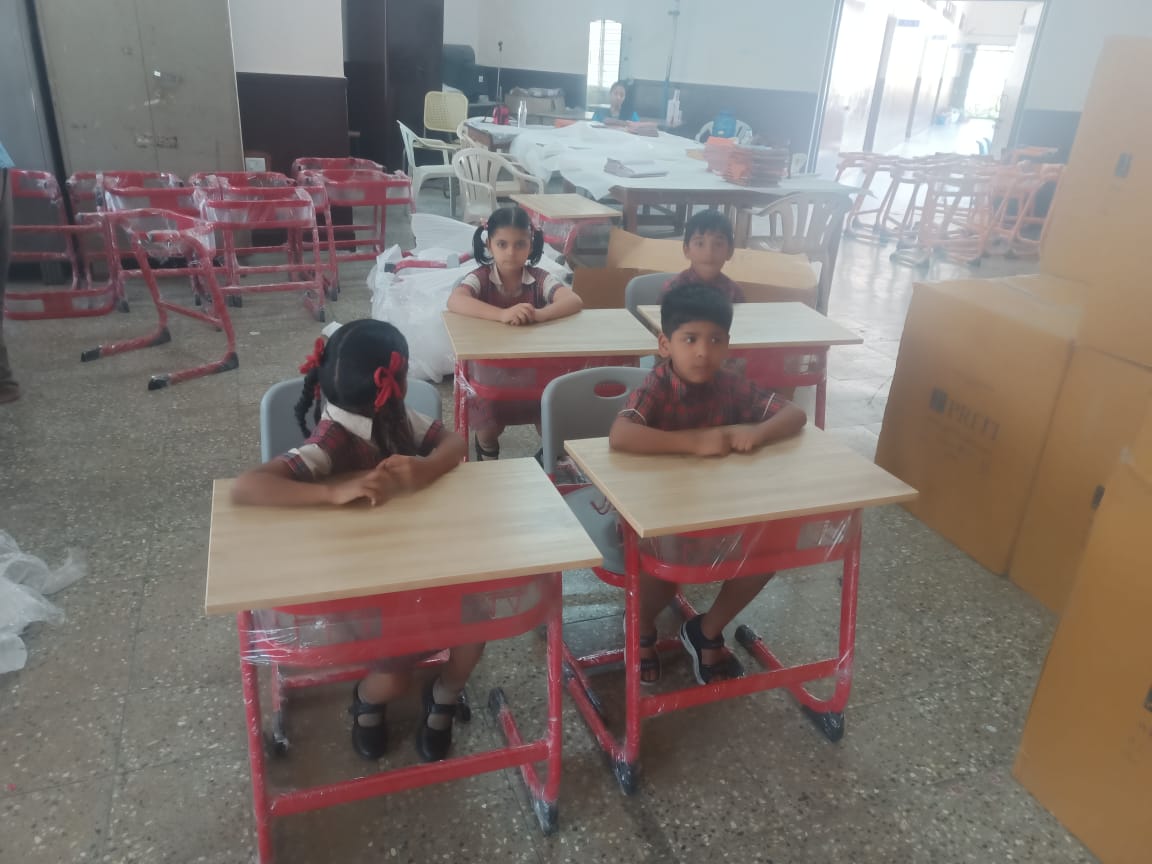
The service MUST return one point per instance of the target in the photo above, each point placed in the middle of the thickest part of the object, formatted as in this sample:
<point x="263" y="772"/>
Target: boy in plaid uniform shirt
<point x="692" y="404"/>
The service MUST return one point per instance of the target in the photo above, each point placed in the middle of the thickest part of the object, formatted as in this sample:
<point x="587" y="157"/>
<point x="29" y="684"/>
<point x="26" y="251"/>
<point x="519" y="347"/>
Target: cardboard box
<point x="1140" y="452"/>
<point x="536" y="105"/>
<point x="1086" y="751"/>
<point x="764" y="276"/>
<point x="980" y="366"/>
<point x="1099" y="413"/>
<point x="1099" y="215"/>
<point x="1097" y="228"/>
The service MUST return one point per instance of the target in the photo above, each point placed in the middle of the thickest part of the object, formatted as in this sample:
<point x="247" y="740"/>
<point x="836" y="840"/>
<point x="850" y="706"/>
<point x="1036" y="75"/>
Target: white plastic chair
<point x="572" y="408"/>
<point x="807" y="223"/>
<point x="279" y="431"/>
<point x="743" y="134"/>
<point x="444" y="111"/>
<point x="485" y="177"/>
<point x="422" y="173"/>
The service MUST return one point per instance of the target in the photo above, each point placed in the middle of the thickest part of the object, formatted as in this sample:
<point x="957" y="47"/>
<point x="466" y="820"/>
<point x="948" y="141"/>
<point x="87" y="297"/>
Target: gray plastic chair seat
<point x="602" y="528"/>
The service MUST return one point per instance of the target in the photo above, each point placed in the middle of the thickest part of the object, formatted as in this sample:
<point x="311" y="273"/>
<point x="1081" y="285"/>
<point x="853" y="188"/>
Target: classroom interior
<point x="985" y="162"/>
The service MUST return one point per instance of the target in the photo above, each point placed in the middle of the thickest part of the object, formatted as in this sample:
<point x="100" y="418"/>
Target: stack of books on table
<point x="755" y="166"/>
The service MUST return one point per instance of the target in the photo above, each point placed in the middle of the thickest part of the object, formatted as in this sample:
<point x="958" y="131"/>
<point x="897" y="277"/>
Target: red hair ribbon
<point x="386" y="384"/>
<point x="313" y="359"/>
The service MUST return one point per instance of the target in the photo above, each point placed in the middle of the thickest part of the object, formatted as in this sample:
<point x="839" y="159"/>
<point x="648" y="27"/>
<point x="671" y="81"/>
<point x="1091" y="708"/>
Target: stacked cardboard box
<point x="1023" y="503"/>
<point x="1022" y="411"/>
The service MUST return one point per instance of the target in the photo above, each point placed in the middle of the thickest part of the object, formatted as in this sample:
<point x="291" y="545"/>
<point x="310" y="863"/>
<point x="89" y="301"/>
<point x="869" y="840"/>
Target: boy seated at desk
<point x="693" y="404"/>
<point x="709" y="243"/>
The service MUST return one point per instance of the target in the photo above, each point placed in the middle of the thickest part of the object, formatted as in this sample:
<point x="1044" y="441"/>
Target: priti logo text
<point x="976" y="422"/>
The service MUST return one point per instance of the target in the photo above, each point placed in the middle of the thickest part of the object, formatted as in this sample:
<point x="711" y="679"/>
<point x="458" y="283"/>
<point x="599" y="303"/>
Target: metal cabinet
<point x="142" y="84"/>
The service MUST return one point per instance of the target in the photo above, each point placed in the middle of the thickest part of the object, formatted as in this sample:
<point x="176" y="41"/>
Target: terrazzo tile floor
<point x="122" y="739"/>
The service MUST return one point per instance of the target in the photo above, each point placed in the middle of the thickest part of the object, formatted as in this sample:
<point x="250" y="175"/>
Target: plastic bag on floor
<point x="413" y="300"/>
<point x="24" y="580"/>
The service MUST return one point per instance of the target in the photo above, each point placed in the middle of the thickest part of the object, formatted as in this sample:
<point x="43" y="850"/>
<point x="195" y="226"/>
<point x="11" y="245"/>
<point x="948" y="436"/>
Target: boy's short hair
<point x="694" y="302"/>
<point x="710" y="222"/>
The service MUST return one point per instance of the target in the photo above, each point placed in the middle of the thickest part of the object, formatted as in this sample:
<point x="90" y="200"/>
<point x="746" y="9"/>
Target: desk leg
<point x="249" y="678"/>
<point x="822" y="393"/>
<point x="627" y="761"/>
<point x="460" y="400"/>
<point x="629" y="217"/>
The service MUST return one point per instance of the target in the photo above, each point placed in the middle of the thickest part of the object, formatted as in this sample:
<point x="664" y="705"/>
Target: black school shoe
<point x="433" y="744"/>
<point x="371" y="742"/>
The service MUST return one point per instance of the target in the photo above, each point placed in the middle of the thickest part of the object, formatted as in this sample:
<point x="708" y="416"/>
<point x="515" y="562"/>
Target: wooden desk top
<point x="482" y="520"/>
<point x="811" y="473"/>
<point x="589" y="333"/>
<point x="774" y="325"/>
<point x="566" y="206"/>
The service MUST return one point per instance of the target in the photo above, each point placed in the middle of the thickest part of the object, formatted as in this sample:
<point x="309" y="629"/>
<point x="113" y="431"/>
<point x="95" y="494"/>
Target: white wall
<point x="1070" y="41"/>
<point x="462" y="22"/>
<point x="771" y="44"/>
<point x="288" y="37"/>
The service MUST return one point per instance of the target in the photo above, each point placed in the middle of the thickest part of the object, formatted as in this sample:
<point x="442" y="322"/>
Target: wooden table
<point x="497" y="137"/>
<point x="510" y="536"/>
<point x="799" y="503"/>
<point x="593" y="337"/>
<point x="707" y="190"/>
<point x="785" y="345"/>
<point x="563" y="216"/>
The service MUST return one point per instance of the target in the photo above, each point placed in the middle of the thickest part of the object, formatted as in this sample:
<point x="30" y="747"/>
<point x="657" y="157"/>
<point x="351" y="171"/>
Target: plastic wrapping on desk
<point x="404" y="627"/>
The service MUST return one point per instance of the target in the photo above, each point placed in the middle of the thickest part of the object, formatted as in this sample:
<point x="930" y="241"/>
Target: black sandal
<point x="649" y="666"/>
<point x="371" y="742"/>
<point x="696" y="643"/>
<point x="432" y="744"/>
<point x="483" y="454"/>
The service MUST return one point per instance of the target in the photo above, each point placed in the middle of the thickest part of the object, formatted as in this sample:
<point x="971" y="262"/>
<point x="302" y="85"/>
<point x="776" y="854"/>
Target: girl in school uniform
<point x="509" y="288"/>
<point x="374" y="448"/>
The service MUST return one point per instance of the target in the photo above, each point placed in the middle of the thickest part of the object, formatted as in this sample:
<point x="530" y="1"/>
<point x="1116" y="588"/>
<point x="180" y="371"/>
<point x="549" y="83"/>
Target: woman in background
<point x="620" y="108"/>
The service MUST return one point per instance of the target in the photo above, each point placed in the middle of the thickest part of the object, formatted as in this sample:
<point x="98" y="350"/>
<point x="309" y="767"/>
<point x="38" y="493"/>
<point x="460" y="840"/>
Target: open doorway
<point x="916" y="77"/>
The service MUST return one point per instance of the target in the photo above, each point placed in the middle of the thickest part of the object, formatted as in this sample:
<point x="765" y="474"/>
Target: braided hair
<point x="507" y="217"/>
<point x="363" y="368"/>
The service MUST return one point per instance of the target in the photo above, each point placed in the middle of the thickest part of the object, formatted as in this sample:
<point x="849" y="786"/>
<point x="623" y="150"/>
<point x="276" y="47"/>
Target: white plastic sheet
<point x="24" y="582"/>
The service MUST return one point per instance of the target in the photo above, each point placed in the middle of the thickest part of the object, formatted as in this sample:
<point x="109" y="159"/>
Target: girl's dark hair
<point x="626" y="108"/>
<point x="346" y="374"/>
<point x="507" y="217"/>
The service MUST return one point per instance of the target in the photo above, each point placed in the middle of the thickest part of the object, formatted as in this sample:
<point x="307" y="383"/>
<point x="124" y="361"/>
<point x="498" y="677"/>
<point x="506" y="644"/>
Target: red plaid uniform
<point x="537" y="287"/>
<point x="342" y="442"/>
<point x="721" y="283"/>
<point x="666" y="401"/>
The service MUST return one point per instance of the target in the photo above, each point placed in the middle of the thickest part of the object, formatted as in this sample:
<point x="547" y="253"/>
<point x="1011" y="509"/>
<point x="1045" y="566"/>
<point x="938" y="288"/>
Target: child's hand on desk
<point x="521" y="313"/>
<point x="713" y="442"/>
<point x="409" y="473"/>
<point x="377" y="485"/>
<point x="744" y="439"/>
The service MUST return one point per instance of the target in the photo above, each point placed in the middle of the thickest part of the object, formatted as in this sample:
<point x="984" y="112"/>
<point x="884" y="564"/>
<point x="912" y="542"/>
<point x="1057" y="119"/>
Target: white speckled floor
<point x="123" y="738"/>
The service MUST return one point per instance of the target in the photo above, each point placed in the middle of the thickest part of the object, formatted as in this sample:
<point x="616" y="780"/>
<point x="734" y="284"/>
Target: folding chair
<point x="644" y="290"/>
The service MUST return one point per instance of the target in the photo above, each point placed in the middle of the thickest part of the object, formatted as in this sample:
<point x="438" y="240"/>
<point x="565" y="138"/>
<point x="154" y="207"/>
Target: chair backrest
<point x="644" y="290"/>
<point x="409" y="152"/>
<point x="465" y="135"/>
<point x="571" y="406"/>
<point x="477" y="170"/>
<point x="807" y="223"/>
<point x="279" y="431"/>
<point x="743" y="134"/>
<point x="443" y="111"/>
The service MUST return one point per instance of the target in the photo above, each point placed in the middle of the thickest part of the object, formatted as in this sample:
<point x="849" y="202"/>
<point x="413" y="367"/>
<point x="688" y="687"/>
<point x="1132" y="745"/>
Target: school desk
<point x="563" y="216"/>
<point x="798" y="502"/>
<point x="592" y="337"/>
<point x="410" y="592"/>
<point x="783" y="344"/>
